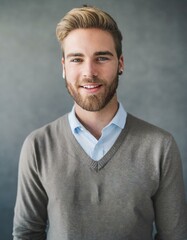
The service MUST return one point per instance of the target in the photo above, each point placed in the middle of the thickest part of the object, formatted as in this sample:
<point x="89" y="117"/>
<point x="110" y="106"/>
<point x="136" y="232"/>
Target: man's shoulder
<point x="49" y="130"/>
<point x="143" y="128"/>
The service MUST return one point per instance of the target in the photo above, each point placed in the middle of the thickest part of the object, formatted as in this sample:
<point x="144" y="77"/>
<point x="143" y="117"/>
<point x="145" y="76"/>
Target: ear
<point x="63" y="68"/>
<point x="121" y="64"/>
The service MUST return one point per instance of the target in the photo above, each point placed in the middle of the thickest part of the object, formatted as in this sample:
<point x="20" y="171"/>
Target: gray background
<point x="32" y="92"/>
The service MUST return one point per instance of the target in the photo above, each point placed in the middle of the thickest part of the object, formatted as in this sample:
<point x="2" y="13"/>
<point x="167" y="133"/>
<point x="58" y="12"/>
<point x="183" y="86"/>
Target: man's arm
<point x="30" y="215"/>
<point x="169" y="201"/>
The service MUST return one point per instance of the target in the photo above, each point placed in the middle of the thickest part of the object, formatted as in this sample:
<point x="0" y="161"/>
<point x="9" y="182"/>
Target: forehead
<point x="88" y="41"/>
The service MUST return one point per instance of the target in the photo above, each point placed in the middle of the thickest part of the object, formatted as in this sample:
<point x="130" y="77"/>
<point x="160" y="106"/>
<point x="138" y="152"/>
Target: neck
<point x="94" y="122"/>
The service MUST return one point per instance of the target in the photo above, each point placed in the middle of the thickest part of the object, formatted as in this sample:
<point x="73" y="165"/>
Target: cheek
<point x="111" y="73"/>
<point x="71" y="75"/>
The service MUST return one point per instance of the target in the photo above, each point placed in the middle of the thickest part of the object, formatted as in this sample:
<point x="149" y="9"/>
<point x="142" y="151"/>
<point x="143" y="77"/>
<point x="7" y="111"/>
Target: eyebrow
<point x="104" y="53"/>
<point x="75" y="55"/>
<point x="99" y="53"/>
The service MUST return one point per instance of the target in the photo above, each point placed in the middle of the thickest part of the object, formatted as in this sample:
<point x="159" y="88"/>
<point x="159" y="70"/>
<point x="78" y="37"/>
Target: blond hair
<point x="89" y="17"/>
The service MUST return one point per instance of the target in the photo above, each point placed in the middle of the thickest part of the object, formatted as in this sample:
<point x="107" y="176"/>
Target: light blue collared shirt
<point x="96" y="149"/>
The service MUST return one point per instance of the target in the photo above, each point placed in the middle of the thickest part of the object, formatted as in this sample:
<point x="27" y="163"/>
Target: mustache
<point x="92" y="80"/>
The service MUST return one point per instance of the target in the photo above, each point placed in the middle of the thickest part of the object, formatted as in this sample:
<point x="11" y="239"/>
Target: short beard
<point x="94" y="102"/>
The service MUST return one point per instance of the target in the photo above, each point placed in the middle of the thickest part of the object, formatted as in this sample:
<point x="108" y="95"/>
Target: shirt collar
<point x="74" y="122"/>
<point x="119" y="119"/>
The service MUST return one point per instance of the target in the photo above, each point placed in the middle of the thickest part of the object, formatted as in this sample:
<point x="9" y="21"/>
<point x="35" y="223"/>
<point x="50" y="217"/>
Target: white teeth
<point x="89" y="86"/>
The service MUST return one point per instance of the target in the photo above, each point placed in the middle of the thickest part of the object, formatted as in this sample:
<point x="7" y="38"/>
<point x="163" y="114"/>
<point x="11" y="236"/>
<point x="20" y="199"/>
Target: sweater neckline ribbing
<point x="95" y="165"/>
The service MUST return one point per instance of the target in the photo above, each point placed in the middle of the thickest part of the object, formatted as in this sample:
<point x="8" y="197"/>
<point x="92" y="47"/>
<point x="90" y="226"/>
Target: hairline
<point x="85" y="28"/>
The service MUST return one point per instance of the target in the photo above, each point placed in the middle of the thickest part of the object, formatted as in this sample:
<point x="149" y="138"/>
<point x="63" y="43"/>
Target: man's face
<point x="91" y="67"/>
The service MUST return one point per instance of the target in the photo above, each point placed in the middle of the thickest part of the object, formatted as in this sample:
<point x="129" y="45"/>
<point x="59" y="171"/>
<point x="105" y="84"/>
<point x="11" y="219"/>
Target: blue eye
<point x="76" y="60"/>
<point x="101" y="59"/>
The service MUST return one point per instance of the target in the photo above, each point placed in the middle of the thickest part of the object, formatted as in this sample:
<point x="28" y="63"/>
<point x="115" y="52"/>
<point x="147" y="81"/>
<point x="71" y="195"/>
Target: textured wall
<point x="32" y="92"/>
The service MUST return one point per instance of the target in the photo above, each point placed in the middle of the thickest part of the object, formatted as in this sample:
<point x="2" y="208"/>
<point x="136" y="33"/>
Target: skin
<point x="90" y="68"/>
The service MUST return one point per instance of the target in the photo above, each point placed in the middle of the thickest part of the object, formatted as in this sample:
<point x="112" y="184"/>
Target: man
<point x="98" y="172"/>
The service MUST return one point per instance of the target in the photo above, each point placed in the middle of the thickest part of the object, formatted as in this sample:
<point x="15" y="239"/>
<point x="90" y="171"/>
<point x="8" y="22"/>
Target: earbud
<point x="63" y="74"/>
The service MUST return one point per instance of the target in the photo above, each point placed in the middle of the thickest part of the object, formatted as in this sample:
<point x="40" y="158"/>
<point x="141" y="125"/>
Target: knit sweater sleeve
<point x="169" y="201"/>
<point x="31" y="204"/>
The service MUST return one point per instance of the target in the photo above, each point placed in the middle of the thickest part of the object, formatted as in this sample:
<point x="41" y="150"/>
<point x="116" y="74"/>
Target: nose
<point x="89" y="70"/>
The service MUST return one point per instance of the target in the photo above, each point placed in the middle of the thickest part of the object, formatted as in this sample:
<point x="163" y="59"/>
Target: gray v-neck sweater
<point x="117" y="198"/>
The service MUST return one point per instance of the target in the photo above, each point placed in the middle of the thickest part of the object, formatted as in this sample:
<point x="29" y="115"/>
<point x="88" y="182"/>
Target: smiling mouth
<point x="91" y="86"/>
